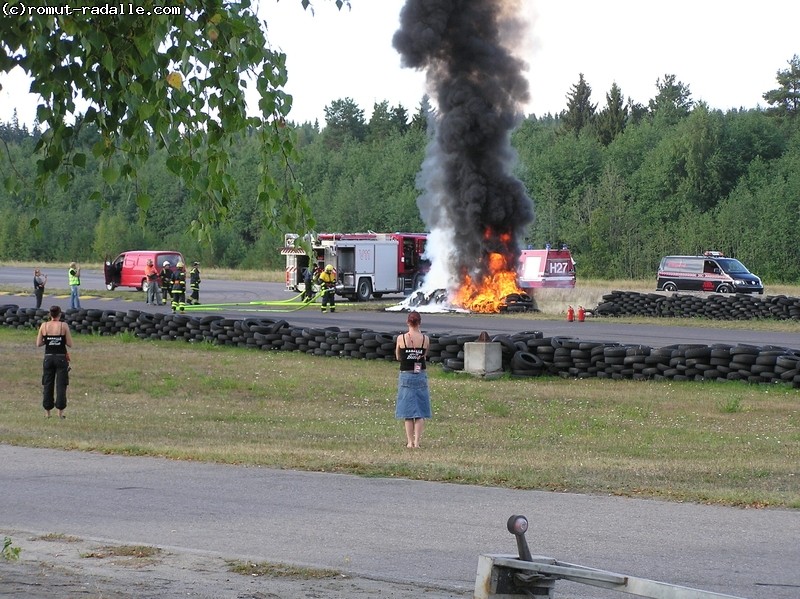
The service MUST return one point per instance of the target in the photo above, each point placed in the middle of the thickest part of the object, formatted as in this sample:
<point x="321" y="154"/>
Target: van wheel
<point x="670" y="286"/>
<point x="364" y="290"/>
<point x="144" y="286"/>
<point x="724" y="288"/>
<point x="110" y="286"/>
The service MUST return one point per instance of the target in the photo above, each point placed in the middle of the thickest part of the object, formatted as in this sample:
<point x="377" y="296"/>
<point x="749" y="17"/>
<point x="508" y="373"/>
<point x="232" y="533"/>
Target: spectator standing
<point x="413" y="395"/>
<point x="39" y="283"/>
<point x="74" y="275"/>
<point x="194" y="284"/>
<point x="54" y="335"/>
<point x="153" y="288"/>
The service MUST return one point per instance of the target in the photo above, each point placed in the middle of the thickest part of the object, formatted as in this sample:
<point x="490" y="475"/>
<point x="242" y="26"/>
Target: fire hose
<point x="288" y="305"/>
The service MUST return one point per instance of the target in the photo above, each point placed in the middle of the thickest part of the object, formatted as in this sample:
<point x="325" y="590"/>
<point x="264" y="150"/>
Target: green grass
<point x="726" y="443"/>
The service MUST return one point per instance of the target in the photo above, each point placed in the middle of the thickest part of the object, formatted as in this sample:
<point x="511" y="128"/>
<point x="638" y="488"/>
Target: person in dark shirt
<point x="39" y="283"/>
<point x="54" y="335"/>
<point x="194" y="284"/>
<point x="178" y="289"/>
<point x="413" y="396"/>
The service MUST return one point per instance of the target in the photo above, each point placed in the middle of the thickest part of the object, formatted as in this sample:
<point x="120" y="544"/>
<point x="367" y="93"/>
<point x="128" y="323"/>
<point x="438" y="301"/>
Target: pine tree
<point x="785" y="100"/>
<point x="580" y="111"/>
<point x="612" y="119"/>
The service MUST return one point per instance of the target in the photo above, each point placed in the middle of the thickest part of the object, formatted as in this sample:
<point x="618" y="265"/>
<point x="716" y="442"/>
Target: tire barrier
<point x="716" y="306"/>
<point x="524" y="354"/>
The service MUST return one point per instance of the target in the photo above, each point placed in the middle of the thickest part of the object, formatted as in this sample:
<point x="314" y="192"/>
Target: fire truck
<point x="366" y="264"/>
<point x="546" y="268"/>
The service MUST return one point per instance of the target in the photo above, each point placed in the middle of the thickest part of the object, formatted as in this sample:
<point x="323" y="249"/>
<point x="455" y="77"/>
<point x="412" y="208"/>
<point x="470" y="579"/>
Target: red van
<point x="127" y="269"/>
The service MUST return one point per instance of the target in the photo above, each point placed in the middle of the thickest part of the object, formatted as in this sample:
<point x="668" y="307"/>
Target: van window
<point x="732" y="266"/>
<point x="171" y="257"/>
<point x="682" y="264"/>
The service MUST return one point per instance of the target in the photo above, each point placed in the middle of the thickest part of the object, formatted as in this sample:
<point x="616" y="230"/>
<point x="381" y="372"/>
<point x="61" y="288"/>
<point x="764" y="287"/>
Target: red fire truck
<point x="366" y="264"/>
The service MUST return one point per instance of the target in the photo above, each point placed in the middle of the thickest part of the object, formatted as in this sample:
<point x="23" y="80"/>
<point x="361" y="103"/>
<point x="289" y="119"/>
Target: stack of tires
<point x="714" y="306"/>
<point x="524" y="354"/>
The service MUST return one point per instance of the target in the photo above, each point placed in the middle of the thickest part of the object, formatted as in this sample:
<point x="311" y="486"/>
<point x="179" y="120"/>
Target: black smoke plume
<point x="471" y="201"/>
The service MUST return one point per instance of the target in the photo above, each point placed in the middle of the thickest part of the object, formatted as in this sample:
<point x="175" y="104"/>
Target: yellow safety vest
<point x="74" y="279"/>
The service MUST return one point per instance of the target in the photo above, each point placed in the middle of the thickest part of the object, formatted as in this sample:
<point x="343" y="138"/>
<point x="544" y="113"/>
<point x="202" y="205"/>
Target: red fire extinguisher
<point x="570" y="314"/>
<point x="581" y="314"/>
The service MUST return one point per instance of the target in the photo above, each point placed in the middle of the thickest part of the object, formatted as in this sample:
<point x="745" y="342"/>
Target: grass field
<point x="726" y="443"/>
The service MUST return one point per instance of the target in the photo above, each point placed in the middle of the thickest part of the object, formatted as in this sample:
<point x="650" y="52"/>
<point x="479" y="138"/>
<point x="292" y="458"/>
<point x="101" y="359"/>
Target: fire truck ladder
<point x="507" y="576"/>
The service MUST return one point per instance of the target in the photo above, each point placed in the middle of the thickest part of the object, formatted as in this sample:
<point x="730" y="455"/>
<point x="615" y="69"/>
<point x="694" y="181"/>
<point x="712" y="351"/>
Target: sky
<point x="727" y="51"/>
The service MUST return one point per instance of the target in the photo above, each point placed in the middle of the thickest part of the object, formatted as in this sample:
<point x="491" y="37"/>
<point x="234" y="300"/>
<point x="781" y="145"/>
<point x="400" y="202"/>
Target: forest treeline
<point x="621" y="183"/>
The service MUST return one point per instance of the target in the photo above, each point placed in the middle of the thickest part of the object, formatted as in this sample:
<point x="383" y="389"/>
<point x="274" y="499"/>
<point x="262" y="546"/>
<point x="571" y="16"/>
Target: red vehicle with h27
<point x="546" y="268"/>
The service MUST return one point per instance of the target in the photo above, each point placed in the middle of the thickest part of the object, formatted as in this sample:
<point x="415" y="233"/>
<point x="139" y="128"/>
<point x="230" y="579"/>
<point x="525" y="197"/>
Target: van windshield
<point x="731" y="266"/>
<point x="173" y="259"/>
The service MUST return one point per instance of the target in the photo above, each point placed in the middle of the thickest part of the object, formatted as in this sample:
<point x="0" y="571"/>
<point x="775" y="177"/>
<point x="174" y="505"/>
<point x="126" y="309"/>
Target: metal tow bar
<point x="508" y="576"/>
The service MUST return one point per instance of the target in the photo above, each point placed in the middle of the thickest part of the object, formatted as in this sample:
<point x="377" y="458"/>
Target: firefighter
<point x="327" y="281"/>
<point x="194" y="284"/>
<point x="166" y="281"/>
<point x="310" y="275"/>
<point x="178" y="290"/>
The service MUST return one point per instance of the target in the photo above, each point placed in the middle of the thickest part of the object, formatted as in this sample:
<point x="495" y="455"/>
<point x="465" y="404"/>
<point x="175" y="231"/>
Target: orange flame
<point x="487" y="295"/>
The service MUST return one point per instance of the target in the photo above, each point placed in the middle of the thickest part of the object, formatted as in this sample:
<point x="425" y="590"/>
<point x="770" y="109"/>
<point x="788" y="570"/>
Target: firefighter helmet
<point x="179" y="264"/>
<point x="166" y="263"/>
<point x="328" y="268"/>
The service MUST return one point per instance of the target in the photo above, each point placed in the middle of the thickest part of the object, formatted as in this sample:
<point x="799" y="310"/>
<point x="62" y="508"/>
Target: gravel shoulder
<point x="60" y="567"/>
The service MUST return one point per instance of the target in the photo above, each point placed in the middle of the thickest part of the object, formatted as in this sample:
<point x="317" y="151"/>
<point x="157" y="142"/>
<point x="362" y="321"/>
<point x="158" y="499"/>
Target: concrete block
<point x="483" y="358"/>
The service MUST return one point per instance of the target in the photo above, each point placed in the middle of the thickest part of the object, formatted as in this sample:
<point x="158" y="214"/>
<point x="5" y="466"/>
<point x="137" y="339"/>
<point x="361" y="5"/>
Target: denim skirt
<point x="413" y="397"/>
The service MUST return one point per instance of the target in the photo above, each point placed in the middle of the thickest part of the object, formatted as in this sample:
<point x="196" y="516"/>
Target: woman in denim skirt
<point x="413" y="395"/>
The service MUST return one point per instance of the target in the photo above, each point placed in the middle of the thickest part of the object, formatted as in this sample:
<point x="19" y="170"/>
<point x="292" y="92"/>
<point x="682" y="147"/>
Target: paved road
<point x="393" y="529"/>
<point x="217" y="292"/>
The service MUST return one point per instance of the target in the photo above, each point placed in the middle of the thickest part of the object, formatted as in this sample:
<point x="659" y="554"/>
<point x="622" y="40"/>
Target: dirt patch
<point x="59" y="567"/>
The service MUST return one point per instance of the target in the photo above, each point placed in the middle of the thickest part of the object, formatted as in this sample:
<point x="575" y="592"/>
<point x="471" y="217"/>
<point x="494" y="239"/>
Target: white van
<point x="710" y="272"/>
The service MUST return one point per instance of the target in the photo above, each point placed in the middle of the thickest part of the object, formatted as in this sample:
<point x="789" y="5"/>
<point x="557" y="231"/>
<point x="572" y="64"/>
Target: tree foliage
<point x="673" y="100"/>
<point x="171" y="80"/>
<point x="580" y="110"/>
<point x="785" y="99"/>
<point x="611" y="121"/>
<point x="344" y="119"/>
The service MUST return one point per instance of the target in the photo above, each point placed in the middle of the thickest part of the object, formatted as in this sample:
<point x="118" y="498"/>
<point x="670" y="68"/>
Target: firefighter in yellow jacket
<point x="327" y="282"/>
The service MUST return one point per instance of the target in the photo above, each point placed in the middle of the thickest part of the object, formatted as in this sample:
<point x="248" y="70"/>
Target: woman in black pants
<point x="54" y="335"/>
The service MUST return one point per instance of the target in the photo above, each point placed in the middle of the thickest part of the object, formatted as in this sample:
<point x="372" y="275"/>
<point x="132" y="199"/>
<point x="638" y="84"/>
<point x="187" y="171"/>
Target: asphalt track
<point x="391" y="529"/>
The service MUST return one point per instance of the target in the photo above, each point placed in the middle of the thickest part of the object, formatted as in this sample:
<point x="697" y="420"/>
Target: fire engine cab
<point x="366" y="264"/>
<point x="546" y="268"/>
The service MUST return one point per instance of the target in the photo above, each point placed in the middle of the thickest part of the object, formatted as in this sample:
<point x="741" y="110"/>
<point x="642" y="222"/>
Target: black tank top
<point x="55" y="344"/>
<point x="409" y="356"/>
